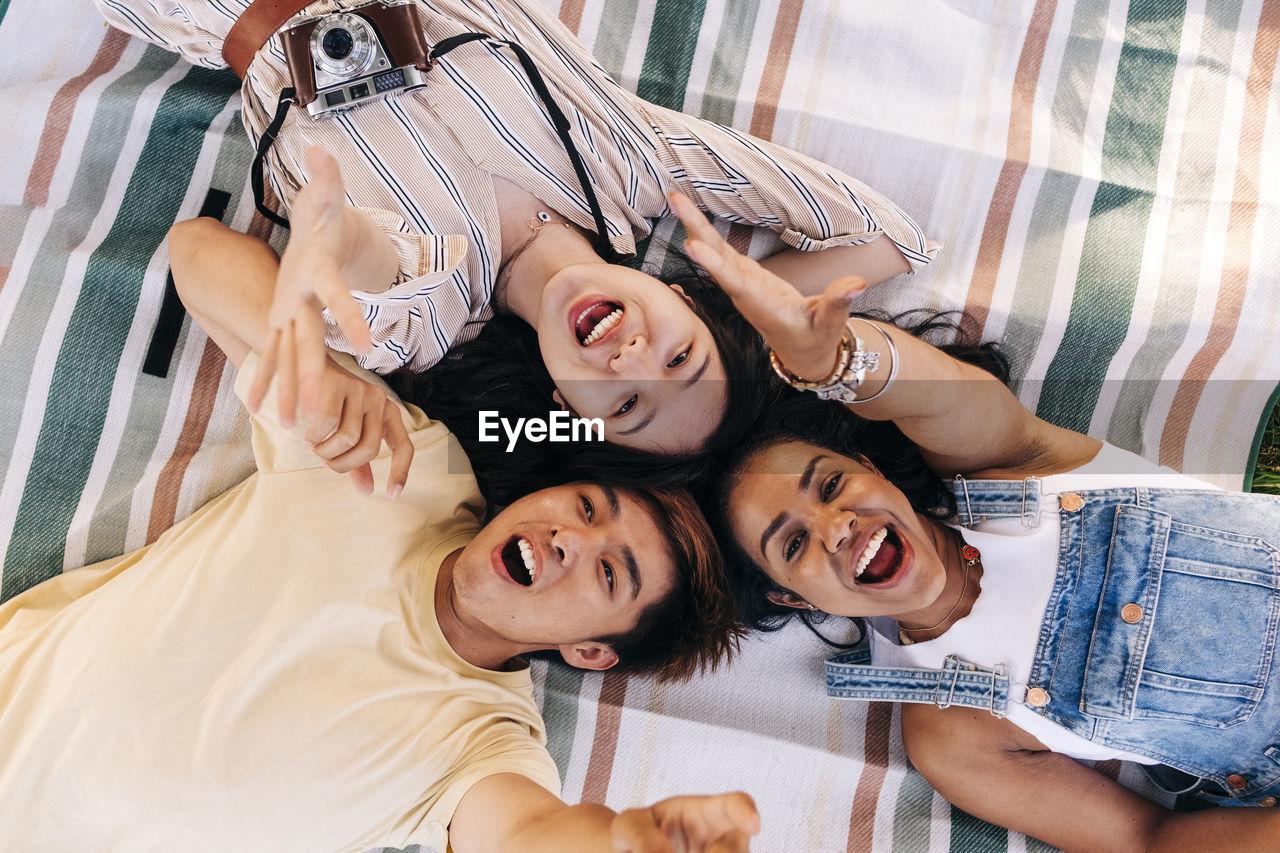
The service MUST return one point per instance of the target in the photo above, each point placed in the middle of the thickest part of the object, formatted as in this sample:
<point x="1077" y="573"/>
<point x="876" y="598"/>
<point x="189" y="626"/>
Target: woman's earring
<point x="811" y="607"/>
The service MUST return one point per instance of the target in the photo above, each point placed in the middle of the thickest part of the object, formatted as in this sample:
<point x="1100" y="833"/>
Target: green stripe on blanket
<point x="87" y="361"/>
<point x="1118" y="220"/>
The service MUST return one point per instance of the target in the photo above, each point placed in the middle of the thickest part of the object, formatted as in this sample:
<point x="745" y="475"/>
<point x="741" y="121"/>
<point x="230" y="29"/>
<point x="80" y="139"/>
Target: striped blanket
<point x="1096" y="169"/>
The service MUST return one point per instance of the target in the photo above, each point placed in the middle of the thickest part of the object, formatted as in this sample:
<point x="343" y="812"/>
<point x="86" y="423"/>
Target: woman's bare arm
<point x="994" y="770"/>
<point x="963" y="419"/>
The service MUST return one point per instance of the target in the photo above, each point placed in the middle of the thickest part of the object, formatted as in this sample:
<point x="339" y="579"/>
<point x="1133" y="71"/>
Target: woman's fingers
<point x="287" y="377"/>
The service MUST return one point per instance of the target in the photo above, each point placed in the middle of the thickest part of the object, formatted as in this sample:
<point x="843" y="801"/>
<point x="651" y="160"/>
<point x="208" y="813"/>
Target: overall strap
<point x="251" y="30"/>
<point x="957" y="683"/>
<point x="982" y="500"/>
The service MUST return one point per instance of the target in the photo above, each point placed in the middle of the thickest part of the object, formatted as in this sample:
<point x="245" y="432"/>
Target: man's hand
<point x="323" y="242"/>
<point x="804" y="331"/>
<point x="714" y="824"/>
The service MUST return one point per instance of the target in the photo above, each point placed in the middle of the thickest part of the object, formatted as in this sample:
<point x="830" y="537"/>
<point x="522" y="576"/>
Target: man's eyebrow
<point x="772" y="529"/>
<point x="807" y="475"/>
<point x="633" y="571"/>
<point x="706" y="362"/>
<point x="611" y="495"/>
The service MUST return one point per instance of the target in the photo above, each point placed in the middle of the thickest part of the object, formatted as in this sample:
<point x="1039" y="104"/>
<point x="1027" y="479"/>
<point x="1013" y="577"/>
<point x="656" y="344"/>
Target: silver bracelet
<point x="893" y="367"/>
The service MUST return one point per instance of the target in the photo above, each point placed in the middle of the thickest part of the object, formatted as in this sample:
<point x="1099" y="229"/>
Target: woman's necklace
<point x="971" y="557"/>
<point x="536" y="223"/>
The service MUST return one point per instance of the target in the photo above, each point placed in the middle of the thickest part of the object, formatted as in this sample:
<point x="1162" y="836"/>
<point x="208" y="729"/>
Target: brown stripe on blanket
<point x="571" y="14"/>
<point x="1017" y="153"/>
<point x="604" y="746"/>
<point x="1240" y="224"/>
<point x="875" y="756"/>
<point x="58" y="120"/>
<point x="775" y="70"/>
<point x="204" y="394"/>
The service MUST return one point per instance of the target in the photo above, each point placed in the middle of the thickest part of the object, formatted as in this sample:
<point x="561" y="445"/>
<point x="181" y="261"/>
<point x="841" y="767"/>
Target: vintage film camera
<point x="352" y="56"/>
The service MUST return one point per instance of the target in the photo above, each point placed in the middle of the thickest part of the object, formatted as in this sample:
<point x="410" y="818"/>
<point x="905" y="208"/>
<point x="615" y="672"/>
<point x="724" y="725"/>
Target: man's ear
<point x="787" y="599"/>
<point x="559" y="399"/>
<point x="680" y="291"/>
<point x="589" y="655"/>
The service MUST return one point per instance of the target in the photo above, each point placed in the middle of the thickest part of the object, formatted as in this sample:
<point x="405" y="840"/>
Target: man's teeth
<point x="526" y="554"/>
<point x="868" y="553"/>
<point x="602" y="328"/>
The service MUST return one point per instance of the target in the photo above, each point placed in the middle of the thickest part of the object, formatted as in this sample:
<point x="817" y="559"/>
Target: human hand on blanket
<point x="722" y="823"/>
<point x="804" y="331"/>
<point x="332" y="250"/>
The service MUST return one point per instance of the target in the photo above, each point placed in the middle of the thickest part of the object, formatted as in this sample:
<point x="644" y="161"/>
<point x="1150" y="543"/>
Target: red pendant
<point x="970" y="553"/>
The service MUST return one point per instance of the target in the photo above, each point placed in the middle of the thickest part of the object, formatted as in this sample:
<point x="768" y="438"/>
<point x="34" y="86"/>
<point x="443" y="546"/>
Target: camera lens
<point x="337" y="43"/>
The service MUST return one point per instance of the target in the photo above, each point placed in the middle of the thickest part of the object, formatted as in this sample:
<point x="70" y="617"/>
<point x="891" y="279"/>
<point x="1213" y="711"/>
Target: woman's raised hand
<point x="310" y="279"/>
<point x="804" y="331"/>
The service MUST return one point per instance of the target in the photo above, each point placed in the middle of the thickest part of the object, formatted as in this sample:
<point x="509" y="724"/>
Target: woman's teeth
<point x="869" y="553"/>
<point x="526" y="554"/>
<point x="602" y="328"/>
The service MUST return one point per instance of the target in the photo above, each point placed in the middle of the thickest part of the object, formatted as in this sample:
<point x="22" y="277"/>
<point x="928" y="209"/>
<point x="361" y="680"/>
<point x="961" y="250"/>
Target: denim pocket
<point x="1185" y="626"/>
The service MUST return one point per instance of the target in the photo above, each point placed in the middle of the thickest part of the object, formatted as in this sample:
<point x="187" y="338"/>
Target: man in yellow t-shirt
<point x="301" y="667"/>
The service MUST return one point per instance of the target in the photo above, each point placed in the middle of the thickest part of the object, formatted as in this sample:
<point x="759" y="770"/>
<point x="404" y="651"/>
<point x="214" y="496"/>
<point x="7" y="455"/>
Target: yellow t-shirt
<point x="268" y="675"/>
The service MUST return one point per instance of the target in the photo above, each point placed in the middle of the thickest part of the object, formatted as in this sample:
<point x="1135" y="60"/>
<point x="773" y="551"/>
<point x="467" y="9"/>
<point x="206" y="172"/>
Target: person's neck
<point x="469" y="637"/>
<point x="533" y="264"/>
<point x="959" y="592"/>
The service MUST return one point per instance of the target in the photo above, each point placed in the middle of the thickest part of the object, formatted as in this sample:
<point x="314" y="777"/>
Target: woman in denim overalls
<point x="1062" y="599"/>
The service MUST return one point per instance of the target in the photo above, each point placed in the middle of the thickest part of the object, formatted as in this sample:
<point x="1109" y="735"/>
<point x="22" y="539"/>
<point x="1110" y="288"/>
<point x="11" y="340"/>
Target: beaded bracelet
<point x="851" y="368"/>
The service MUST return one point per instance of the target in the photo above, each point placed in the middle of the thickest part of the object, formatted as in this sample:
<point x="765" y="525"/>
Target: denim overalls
<point x="1158" y="637"/>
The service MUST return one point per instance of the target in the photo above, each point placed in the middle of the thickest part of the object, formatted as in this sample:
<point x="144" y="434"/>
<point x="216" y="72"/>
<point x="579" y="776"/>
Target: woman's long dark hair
<point x="501" y="370"/>
<point x="803" y="417"/>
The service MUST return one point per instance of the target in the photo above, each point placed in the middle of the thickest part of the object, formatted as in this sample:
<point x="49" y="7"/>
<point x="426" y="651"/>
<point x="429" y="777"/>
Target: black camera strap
<point x="600" y="241"/>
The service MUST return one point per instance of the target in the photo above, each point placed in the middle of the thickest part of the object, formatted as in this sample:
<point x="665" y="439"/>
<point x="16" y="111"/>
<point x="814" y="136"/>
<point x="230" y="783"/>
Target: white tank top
<point x="1019" y="567"/>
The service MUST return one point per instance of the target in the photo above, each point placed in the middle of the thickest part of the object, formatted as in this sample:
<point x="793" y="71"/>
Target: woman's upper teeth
<point x="869" y="553"/>
<point x="602" y="328"/>
<point x="526" y="554"/>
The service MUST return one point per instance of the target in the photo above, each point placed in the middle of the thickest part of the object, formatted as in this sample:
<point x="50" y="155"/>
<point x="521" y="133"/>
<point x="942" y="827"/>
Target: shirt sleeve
<point x="278" y="448"/>
<point x="414" y="322"/>
<point x="744" y="179"/>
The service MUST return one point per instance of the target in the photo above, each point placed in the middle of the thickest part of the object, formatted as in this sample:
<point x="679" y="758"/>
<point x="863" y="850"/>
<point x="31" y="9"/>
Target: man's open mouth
<point x="880" y="559"/>
<point x="518" y="560"/>
<point x="596" y="321"/>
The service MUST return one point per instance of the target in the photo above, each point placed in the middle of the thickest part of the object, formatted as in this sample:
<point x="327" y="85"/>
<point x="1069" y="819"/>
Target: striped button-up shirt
<point x="420" y="163"/>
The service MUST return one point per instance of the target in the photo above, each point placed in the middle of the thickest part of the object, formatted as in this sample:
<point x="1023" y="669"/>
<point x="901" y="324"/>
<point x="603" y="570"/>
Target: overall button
<point x="1131" y="613"/>
<point x="1071" y="502"/>
<point x="1236" y="782"/>
<point x="1037" y="697"/>
<point x="1267" y="802"/>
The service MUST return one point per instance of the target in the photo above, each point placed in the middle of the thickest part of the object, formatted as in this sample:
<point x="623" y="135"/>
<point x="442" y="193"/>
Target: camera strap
<point x="600" y="241"/>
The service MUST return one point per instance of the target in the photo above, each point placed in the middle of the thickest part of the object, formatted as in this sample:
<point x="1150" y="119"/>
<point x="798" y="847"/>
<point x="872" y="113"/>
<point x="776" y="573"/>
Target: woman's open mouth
<point x="518" y="560"/>
<point x="596" y="320"/>
<point x="881" y="559"/>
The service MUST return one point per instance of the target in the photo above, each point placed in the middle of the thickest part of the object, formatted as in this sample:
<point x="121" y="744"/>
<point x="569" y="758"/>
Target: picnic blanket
<point x="1104" y="176"/>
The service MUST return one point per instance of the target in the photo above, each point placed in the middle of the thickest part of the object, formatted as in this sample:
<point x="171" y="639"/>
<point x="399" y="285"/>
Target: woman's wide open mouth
<point x="594" y="321"/>
<point x="881" y="559"/>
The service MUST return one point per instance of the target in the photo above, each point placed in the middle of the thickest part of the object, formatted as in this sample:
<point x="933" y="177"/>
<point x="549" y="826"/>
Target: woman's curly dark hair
<point x="803" y="417"/>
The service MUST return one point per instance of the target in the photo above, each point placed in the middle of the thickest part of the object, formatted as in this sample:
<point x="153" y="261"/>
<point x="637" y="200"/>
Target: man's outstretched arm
<point x="510" y="812"/>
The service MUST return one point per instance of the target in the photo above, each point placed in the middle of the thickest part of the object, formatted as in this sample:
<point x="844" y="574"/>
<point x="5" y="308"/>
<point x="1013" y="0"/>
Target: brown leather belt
<point x="252" y="30"/>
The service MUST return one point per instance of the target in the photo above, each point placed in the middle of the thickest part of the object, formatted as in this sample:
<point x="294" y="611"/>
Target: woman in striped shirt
<point x="471" y="189"/>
